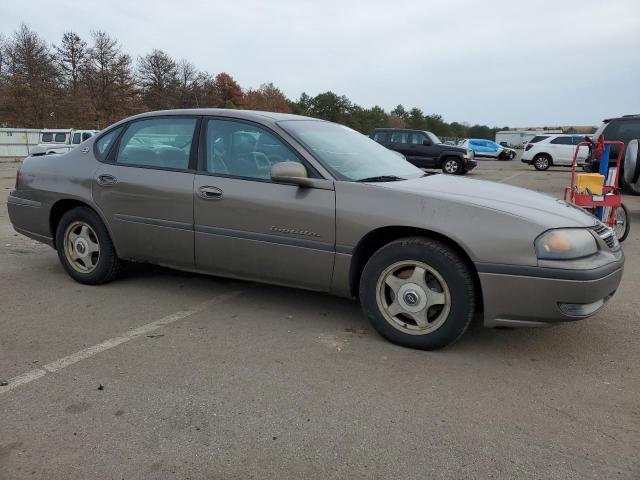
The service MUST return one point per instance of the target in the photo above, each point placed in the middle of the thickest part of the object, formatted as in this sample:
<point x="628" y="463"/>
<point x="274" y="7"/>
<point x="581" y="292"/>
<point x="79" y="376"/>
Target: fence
<point x="17" y="142"/>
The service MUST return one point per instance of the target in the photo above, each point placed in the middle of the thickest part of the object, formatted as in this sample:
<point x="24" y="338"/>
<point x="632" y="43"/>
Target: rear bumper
<point x="29" y="218"/>
<point x="532" y="299"/>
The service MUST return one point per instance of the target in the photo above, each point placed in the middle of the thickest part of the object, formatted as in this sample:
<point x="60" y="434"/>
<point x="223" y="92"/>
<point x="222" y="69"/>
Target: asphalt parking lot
<point x="163" y="374"/>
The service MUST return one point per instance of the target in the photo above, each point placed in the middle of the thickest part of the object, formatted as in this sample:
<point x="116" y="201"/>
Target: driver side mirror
<point x="290" y="172"/>
<point x="426" y="143"/>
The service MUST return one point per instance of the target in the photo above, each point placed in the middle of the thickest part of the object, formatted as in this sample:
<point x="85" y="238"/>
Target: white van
<point x="57" y="141"/>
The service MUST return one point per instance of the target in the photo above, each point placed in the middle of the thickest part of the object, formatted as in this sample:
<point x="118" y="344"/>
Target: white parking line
<point x="64" y="362"/>
<point x="510" y="177"/>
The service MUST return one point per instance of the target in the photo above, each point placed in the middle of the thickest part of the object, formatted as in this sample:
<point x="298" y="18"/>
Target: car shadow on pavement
<point x="320" y="312"/>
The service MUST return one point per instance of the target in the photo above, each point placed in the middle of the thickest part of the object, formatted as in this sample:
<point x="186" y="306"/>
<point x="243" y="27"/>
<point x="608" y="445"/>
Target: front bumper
<point x="470" y="164"/>
<point x="540" y="298"/>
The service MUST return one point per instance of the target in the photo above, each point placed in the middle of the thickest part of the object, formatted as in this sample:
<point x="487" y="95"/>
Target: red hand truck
<point x="608" y="206"/>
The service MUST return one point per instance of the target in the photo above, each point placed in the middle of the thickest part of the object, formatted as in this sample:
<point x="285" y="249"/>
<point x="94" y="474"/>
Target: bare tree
<point x="187" y="84"/>
<point x="3" y="45"/>
<point x="109" y="80"/>
<point x="71" y="57"/>
<point x="31" y="86"/>
<point x="157" y="77"/>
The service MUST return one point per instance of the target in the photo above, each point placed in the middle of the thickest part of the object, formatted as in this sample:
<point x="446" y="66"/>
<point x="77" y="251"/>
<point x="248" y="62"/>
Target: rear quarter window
<point x="538" y="138"/>
<point x="47" y="137"/>
<point x="380" y="137"/>
<point x="60" y="137"/>
<point x="104" y="143"/>
<point x="562" y="141"/>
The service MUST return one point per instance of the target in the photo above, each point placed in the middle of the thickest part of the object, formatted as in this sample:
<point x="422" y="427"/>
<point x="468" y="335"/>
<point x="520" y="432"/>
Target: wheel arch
<point x="62" y="206"/>
<point x="545" y="154"/>
<point x="376" y="239"/>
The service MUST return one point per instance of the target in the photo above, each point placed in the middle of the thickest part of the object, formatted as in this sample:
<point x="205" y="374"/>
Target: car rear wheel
<point x="418" y="293"/>
<point x="85" y="248"/>
<point x="452" y="166"/>
<point x="542" y="161"/>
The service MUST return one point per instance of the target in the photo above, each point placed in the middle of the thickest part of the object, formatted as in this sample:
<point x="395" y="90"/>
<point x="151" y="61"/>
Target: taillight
<point x="17" y="179"/>
<point x="528" y="147"/>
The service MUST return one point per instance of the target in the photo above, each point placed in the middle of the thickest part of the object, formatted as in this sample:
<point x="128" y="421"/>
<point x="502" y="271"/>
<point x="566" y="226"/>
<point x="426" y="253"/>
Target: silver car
<point x="296" y="201"/>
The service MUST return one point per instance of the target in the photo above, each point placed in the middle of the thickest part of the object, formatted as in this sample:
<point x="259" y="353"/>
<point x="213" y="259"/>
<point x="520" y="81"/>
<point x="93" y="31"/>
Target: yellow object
<point x="593" y="181"/>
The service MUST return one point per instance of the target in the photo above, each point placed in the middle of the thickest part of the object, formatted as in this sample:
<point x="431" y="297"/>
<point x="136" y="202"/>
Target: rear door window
<point x="418" y="138"/>
<point x="60" y="138"/>
<point x="158" y="142"/>
<point x="47" y="137"/>
<point x="76" y="138"/>
<point x="400" y="137"/>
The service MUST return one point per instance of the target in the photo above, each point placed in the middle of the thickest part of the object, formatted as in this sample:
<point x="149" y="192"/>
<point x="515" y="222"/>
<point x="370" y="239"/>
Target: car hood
<point x="453" y="148"/>
<point x="540" y="208"/>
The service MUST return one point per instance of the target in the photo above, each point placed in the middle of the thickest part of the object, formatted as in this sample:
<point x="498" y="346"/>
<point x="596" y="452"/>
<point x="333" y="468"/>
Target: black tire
<point x="447" y="263"/>
<point x="452" y="166"/>
<point x="627" y="223"/>
<point x="107" y="265"/>
<point x="627" y="188"/>
<point x="542" y="162"/>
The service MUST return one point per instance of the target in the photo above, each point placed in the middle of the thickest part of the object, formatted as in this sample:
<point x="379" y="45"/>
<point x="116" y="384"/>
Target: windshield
<point x="434" y="139"/>
<point x="347" y="153"/>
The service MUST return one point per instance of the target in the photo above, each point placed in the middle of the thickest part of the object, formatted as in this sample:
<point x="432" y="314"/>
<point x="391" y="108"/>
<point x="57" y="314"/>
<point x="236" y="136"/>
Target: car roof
<point x="226" y="112"/>
<point x="391" y="129"/>
<point x="623" y="117"/>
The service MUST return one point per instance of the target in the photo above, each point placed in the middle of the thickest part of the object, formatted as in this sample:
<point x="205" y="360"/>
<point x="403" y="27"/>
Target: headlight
<point x="565" y="244"/>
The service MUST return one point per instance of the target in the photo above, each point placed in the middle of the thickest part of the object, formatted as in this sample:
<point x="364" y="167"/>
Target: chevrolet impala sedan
<point x="296" y="201"/>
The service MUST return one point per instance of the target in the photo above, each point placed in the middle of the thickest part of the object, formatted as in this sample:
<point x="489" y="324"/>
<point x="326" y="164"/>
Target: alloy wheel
<point x="81" y="247"/>
<point x="413" y="297"/>
<point x="451" y="166"/>
<point x="542" y="163"/>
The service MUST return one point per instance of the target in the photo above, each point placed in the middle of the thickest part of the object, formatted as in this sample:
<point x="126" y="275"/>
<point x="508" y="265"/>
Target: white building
<point x="17" y="142"/>
<point x="518" y="137"/>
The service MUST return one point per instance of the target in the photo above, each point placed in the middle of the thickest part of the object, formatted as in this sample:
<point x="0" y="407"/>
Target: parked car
<point x="290" y="200"/>
<point x="425" y="150"/>
<point x="543" y="151"/>
<point x="624" y="129"/>
<point x="60" y="141"/>
<point x="488" y="148"/>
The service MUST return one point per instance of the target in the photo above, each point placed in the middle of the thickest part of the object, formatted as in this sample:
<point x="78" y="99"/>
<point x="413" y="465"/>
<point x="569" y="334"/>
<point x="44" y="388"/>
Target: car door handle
<point x="107" y="180"/>
<point x="210" y="193"/>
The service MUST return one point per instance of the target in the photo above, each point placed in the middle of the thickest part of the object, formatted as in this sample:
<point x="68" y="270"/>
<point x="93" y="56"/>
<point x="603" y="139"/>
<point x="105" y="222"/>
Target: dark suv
<point x="624" y="129"/>
<point x="425" y="150"/>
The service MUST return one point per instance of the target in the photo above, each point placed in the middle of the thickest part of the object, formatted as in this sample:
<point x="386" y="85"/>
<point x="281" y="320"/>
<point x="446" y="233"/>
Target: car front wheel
<point x="452" y="166"/>
<point x="418" y="293"/>
<point x="85" y="248"/>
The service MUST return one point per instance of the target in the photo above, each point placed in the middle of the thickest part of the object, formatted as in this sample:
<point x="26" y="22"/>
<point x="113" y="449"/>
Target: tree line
<point x="91" y="83"/>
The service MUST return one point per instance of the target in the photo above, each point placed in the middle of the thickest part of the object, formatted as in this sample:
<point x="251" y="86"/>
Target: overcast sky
<point x="495" y="62"/>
